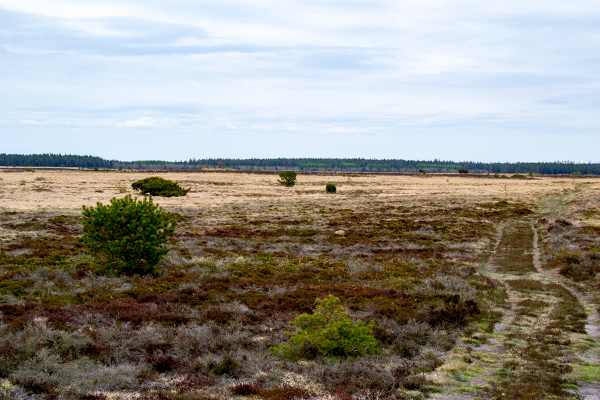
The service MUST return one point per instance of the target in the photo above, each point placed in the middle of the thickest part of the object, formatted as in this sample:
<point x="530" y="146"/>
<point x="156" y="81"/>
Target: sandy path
<point x="587" y="391"/>
<point x="517" y="330"/>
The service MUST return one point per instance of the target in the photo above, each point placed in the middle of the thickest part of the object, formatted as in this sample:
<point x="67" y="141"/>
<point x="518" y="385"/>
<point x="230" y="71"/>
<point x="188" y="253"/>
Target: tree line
<point x="304" y="164"/>
<point x="53" y="160"/>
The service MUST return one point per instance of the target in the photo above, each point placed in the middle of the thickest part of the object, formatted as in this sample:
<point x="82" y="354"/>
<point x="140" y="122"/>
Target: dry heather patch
<point x="71" y="189"/>
<point x="242" y="267"/>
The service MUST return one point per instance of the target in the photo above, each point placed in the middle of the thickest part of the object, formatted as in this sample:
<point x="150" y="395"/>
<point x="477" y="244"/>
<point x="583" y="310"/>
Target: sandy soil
<point x="68" y="190"/>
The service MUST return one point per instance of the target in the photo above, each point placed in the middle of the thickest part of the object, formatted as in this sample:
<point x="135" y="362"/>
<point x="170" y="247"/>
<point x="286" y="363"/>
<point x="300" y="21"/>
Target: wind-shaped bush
<point x="157" y="186"/>
<point x="328" y="332"/>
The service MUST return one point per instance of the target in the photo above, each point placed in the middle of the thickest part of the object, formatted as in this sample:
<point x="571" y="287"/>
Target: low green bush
<point x="330" y="188"/>
<point x="463" y="171"/>
<point x="328" y="332"/>
<point x="288" y="178"/>
<point x="127" y="236"/>
<point x="157" y="186"/>
<point x="12" y="287"/>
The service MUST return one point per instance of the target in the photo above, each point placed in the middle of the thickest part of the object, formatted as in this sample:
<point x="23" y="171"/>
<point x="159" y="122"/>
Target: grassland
<point x="478" y="288"/>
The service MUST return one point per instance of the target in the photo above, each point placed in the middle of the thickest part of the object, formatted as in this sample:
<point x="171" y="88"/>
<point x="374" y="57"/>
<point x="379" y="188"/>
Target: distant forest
<point x="302" y="164"/>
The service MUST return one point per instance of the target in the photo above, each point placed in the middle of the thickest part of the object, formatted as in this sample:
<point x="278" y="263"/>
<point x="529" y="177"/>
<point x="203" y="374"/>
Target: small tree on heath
<point x="288" y="178"/>
<point x="328" y="332"/>
<point x="127" y="236"/>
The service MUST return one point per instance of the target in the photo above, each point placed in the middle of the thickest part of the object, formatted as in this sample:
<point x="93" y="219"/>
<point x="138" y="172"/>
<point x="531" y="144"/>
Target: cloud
<point x="144" y="122"/>
<point x="341" y="130"/>
<point x="376" y="71"/>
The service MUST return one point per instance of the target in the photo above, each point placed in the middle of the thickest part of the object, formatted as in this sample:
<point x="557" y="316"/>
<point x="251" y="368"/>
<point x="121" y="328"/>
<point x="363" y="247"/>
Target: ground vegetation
<point x="464" y="291"/>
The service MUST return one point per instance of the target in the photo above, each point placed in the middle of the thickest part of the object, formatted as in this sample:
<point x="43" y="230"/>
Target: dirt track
<point x="546" y="325"/>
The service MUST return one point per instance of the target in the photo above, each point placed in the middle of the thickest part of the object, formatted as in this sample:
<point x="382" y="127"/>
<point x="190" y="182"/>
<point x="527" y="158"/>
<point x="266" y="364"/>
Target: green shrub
<point x="156" y="186"/>
<point x="127" y="236"/>
<point x="288" y="178"/>
<point x="328" y="332"/>
<point x="12" y="287"/>
<point x="463" y="171"/>
<point x="330" y="188"/>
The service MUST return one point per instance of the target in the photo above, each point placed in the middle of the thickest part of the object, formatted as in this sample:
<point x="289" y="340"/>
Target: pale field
<point x="67" y="190"/>
<point x="29" y="201"/>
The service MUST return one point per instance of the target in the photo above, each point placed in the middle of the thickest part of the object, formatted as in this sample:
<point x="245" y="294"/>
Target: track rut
<point x="545" y="344"/>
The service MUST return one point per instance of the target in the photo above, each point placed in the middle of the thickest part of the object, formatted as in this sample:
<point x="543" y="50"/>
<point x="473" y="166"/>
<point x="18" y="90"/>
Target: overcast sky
<point x="510" y="80"/>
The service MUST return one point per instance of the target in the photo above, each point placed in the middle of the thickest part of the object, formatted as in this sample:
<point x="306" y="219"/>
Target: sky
<point x="463" y="80"/>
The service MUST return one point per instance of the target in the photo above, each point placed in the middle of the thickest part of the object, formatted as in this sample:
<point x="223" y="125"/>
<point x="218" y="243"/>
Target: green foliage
<point x="315" y="165"/>
<point x="328" y="332"/>
<point x="12" y="287"/>
<point x="156" y="186"/>
<point x="127" y="236"/>
<point x="288" y="178"/>
<point x="439" y="166"/>
<point x="463" y="171"/>
<point x="335" y="164"/>
<point x="330" y="188"/>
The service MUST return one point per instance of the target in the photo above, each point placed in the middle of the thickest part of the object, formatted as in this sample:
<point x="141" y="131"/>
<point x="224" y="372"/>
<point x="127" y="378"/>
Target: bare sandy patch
<point x="68" y="190"/>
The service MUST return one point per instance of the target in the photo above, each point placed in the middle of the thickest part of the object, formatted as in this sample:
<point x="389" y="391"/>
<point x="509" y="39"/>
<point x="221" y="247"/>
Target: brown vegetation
<point x="248" y="257"/>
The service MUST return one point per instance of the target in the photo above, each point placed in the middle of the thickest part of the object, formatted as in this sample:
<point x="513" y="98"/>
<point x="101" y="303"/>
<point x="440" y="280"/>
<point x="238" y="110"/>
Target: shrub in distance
<point x="330" y="188"/>
<point x="127" y="236"/>
<point x="288" y="178"/>
<point x="328" y="332"/>
<point x="157" y="186"/>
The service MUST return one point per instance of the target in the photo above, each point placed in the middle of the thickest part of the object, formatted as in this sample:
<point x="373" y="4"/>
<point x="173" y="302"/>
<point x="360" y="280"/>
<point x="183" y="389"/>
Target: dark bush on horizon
<point x="288" y="178"/>
<point x="156" y="186"/>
